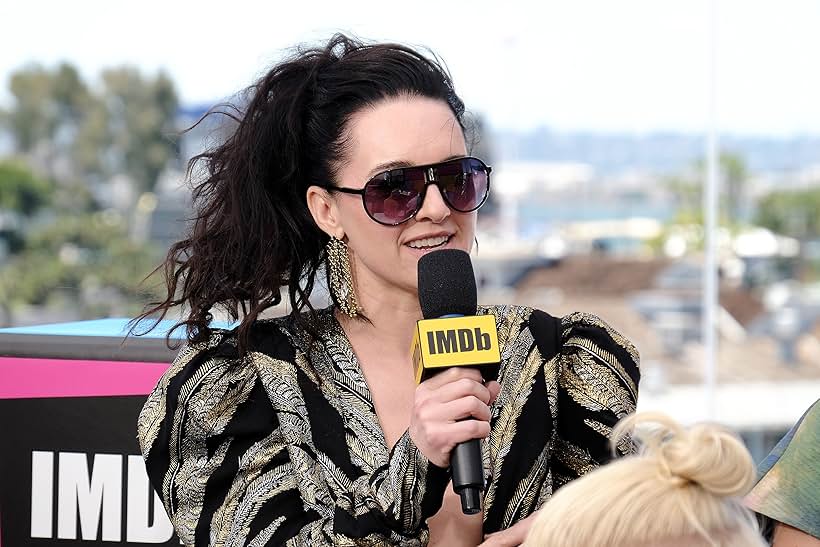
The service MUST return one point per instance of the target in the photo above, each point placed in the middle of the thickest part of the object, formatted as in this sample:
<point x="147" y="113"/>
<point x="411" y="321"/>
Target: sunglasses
<point x="395" y="196"/>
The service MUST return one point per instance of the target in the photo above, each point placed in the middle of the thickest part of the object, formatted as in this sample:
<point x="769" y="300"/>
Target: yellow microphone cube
<point x="470" y="341"/>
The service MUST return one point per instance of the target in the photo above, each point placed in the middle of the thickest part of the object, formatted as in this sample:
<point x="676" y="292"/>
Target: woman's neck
<point x="390" y="323"/>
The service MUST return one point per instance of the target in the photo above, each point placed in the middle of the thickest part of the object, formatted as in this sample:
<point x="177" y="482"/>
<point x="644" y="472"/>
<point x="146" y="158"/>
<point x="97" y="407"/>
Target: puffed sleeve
<point x="565" y="382"/>
<point x="230" y="472"/>
<point x="597" y="386"/>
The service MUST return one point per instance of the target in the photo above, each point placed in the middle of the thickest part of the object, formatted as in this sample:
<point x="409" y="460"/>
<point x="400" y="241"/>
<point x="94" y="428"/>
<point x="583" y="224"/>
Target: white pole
<point x="710" y="206"/>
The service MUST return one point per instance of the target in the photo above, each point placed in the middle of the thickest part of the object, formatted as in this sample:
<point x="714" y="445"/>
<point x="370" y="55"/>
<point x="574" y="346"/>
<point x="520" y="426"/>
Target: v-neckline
<point x="354" y="371"/>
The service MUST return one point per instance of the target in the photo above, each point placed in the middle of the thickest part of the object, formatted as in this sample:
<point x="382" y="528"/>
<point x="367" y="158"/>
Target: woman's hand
<point x="512" y="536"/>
<point x="441" y="407"/>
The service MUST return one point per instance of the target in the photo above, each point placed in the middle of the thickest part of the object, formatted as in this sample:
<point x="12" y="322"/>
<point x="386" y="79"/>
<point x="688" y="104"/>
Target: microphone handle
<point x="467" y="468"/>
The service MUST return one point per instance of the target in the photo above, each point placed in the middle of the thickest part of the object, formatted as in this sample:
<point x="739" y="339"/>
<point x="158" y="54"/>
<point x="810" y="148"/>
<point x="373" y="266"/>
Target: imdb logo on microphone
<point x="470" y="341"/>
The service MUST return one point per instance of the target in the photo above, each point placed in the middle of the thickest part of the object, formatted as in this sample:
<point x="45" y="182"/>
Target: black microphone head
<point x="447" y="284"/>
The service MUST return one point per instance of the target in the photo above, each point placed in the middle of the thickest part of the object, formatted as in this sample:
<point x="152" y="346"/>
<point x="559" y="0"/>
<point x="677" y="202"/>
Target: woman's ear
<point x="324" y="210"/>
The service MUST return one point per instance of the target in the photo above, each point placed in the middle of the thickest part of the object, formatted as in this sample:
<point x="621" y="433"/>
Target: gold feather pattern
<point x="551" y="372"/>
<point x="509" y="321"/>
<point x="312" y="487"/>
<point x="202" y="421"/>
<point x="208" y="368"/>
<point x="605" y="357"/>
<point x="581" y="318"/>
<point x="348" y="392"/>
<point x="546" y="489"/>
<point x="336" y="476"/>
<point x="524" y="495"/>
<point x="150" y="419"/>
<point x="576" y="458"/>
<point x="215" y="407"/>
<point x="357" y="416"/>
<point x="252" y="463"/>
<point x="189" y="486"/>
<point x="510" y="377"/>
<point x="594" y="385"/>
<point x="184" y="426"/>
<point x="506" y="428"/>
<point x="234" y="530"/>
<point x="517" y="389"/>
<point x="279" y="379"/>
<point x="341" y="360"/>
<point x="389" y="488"/>
<point x="312" y="481"/>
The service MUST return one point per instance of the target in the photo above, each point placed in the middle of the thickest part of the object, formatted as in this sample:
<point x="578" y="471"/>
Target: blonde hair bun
<point x="704" y="455"/>
<point x="684" y="487"/>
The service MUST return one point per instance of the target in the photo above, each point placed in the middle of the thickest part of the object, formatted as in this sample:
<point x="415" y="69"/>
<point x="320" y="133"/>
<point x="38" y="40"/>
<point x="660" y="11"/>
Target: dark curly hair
<point x="252" y="232"/>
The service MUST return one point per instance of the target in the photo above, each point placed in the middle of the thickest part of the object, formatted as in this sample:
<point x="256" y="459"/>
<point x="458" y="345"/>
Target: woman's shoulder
<point x="586" y="330"/>
<point x="275" y="337"/>
<point x="568" y="333"/>
<point x="204" y="375"/>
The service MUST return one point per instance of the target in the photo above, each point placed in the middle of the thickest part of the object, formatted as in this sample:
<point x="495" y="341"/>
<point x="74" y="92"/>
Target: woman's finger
<point x="463" y="387"/>
<point x="451" y="375"/>
<point x="494" y="388"/>
<point x="464" y="408"/>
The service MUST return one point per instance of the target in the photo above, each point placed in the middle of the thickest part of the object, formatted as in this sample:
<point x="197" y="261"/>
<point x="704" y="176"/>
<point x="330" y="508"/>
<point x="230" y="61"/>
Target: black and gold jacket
<point x="257" y="450"/>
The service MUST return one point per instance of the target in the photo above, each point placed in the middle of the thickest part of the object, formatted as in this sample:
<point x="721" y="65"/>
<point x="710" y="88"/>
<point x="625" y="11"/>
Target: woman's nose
<point x="433" y="208"/>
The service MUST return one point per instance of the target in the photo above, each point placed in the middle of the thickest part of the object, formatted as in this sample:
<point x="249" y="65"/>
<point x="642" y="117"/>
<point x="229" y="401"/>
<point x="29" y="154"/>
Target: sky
<point x="604" y="66"/>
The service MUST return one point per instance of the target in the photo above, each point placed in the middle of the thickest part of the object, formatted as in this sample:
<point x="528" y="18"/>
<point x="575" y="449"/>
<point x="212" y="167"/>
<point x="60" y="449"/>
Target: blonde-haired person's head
<point x="683" y="488"/>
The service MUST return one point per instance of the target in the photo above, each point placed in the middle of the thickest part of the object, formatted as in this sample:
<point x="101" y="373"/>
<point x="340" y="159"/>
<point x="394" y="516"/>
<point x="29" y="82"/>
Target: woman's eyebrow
<point x="387" y="166"/>
<point x="396" y="164"/>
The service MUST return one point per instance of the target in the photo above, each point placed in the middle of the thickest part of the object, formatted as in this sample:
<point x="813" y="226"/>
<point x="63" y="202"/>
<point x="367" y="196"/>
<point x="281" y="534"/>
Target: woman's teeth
<point x="429" y="242"/>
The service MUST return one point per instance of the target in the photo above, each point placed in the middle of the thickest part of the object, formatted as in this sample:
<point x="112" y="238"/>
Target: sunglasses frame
<point x="430" y="177"/>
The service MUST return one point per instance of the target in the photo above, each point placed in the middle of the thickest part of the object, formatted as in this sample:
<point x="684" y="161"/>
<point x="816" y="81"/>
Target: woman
<point x="683" y="489"/>
<point x="309" y="429"/>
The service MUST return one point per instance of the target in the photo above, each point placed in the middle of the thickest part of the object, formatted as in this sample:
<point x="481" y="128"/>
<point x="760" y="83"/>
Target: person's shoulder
<point x="587" y="330"/>
<point x="204" y="372"/>
<point x="577" y="331"/>
<point x="273" y="337"/>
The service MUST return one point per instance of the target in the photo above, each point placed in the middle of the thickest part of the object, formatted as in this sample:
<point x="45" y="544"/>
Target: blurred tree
<point x="48" y="107"/>
<point x="21" y="190"/>
<point x="141" y="117"/>
<point x="794" y="213"/>
<point x="76" y="133"/>
<point x="22" y="194"/>
<point x="688" y="190"/>
<point x="81" y="138"/>
<point x="84" y="262"/>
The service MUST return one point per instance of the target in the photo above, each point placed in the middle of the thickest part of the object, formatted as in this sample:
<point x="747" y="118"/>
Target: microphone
<point x="452" y="335"/>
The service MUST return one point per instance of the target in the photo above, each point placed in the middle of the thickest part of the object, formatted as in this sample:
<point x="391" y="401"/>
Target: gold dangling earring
<point x="342" y="287"/>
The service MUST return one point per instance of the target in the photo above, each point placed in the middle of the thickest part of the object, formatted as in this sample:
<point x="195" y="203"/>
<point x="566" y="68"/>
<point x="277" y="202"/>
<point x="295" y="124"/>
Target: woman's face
<point x="394" y="133"/>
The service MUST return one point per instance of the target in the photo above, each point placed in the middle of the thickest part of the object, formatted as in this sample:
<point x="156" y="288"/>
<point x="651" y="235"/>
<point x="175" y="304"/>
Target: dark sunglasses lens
<point x="393" y="197"/>
<point x="463" y="183"/>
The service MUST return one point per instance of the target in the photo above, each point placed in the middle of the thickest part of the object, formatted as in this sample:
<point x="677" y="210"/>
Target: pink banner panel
<point x="29" y="378"/>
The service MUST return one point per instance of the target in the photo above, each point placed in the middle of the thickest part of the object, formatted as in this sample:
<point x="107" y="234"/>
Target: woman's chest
<point x="392" y="392"/>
